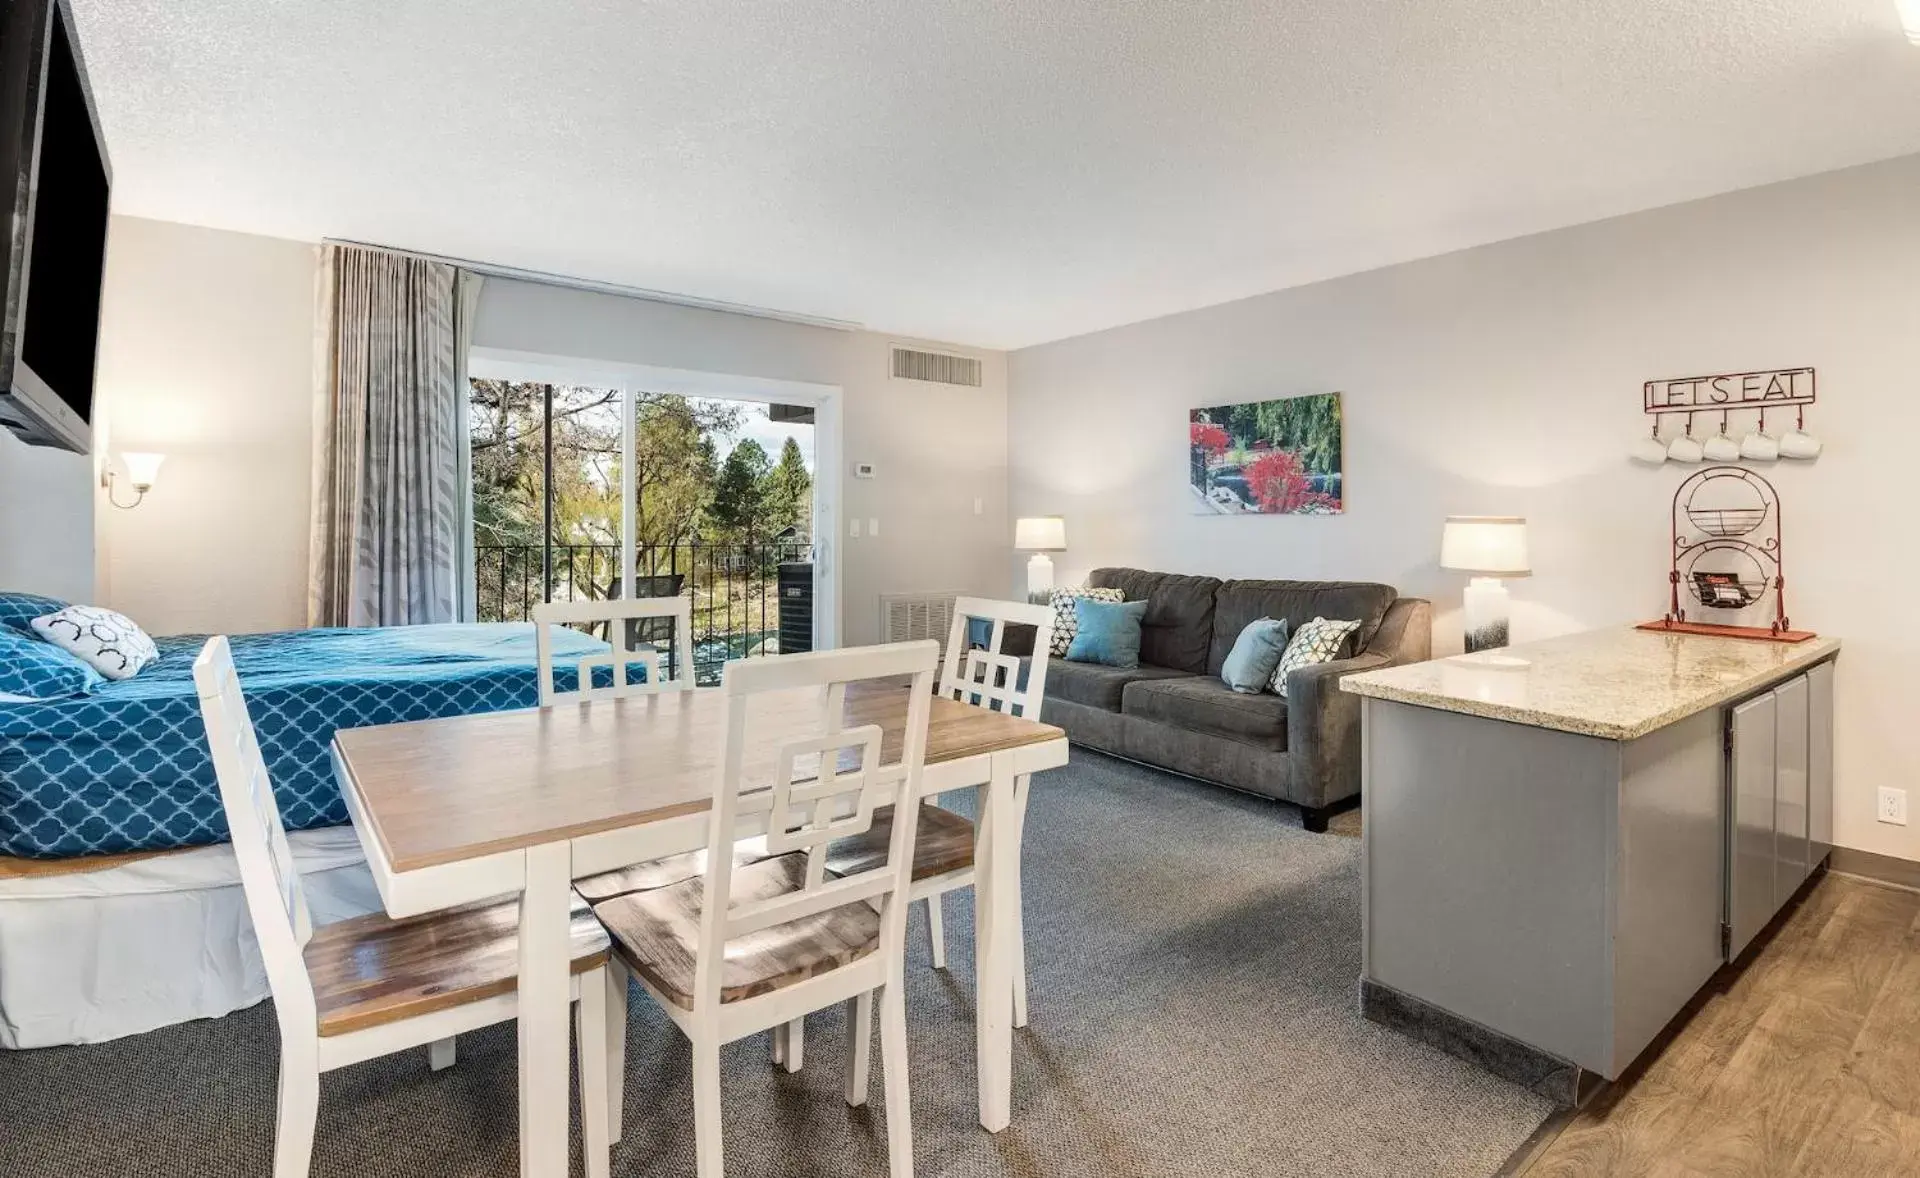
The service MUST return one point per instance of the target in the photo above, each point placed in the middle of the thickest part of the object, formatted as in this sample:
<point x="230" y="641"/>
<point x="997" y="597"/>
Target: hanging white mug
<point x="1685" y="449"/>
<point x="1720" y="447"/>
<point x="1651" y="451"/>
<point x="1798" y="443"/>
<point x="1759" y="446"/>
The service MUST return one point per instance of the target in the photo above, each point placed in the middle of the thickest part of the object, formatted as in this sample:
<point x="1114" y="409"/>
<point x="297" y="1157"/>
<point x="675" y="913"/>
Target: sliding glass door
<point x="590" y="491"/>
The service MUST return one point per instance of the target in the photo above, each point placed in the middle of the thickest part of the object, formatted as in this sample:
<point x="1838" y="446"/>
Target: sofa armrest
<point x="1323" y="729"/>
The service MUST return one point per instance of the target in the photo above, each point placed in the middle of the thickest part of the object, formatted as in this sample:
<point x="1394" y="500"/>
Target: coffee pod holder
<point x="1726" y="556"/>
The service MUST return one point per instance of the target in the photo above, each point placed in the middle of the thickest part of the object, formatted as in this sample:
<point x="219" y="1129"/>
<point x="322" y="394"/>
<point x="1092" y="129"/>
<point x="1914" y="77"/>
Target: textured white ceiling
<point x="999" y="172"/>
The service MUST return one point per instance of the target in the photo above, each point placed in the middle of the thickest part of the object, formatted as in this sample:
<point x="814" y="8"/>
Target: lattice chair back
<point x="670" y="670"/>
<point x="990" y="678"/>
<point x="818" y="786"/>
<point x="275" y="900"/>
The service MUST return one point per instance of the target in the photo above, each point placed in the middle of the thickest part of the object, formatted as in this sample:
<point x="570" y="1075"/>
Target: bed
<point x="127" y="769"/>
<point x="120" y="904"/>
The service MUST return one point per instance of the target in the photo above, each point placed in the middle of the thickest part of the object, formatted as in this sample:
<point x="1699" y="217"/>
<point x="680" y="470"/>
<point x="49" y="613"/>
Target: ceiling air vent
<point x="938" y="367"/>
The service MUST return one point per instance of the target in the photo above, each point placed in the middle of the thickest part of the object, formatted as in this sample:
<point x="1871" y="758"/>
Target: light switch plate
<point x="1892" y="807"/>
<point x="853" y="527"/>
<point x="873" y="525"/>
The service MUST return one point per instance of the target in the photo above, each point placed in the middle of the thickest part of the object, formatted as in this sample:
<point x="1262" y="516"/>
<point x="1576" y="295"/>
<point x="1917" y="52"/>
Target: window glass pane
<point x="506" y="434"/>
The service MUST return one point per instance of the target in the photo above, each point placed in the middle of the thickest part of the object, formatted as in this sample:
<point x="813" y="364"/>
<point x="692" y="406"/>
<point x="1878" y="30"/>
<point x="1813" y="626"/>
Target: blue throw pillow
<point x="1107" y="632"/>
<point x="35" y="670"/>
<point x="1255" y="654"/>
<point x="17" y="609"/>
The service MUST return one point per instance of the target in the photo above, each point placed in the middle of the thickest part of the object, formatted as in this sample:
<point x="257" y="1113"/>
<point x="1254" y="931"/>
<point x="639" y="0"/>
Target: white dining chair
<point x="984" y="677"/>
<point x="739" y="949"/>
<point x="371" y="986"/>
<point x="663" y="673"/>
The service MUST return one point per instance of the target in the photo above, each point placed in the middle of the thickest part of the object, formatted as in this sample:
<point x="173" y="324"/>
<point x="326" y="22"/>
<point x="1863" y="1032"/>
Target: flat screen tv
<point x="53" y="155"/>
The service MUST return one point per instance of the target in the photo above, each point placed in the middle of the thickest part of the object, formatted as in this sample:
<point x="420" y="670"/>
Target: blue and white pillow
<point x="1318" y="641"/>
<point x="32" y="671"/>
<point x="108" y="642"/>
<point x="17" y="610"/>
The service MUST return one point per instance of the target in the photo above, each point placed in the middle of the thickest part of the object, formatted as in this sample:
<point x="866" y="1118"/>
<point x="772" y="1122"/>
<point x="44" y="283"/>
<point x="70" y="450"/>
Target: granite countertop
<point x="1617" y="684"/>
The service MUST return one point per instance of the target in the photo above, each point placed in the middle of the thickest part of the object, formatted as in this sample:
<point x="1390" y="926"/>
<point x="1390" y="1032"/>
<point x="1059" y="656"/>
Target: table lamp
<point x="1492" y="548"/>
<point x="1040" y="535"/>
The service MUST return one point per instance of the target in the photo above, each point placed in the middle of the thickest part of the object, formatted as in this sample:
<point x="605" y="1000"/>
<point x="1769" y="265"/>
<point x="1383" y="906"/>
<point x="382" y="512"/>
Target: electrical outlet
<point x="1892" y="806"/>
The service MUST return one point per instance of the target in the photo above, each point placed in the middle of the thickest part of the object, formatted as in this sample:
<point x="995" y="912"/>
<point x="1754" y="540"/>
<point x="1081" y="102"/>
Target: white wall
<point x="1507" y="380"/>
<point x="937" y="448"/>
<point x="46" y="521"/>
<point x="206" y="355"/>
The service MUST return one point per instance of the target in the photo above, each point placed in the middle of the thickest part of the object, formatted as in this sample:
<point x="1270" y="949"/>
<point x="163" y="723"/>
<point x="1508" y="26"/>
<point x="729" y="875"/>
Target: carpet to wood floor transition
<point x="1193" y="957"/>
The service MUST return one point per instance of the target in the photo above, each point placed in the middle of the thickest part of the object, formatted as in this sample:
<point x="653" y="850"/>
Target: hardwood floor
<point x="1804" y="1061"/>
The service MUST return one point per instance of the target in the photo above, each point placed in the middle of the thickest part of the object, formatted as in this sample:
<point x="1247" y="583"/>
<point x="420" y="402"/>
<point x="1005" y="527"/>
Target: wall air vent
<point x="909" y="617"/>
<point x="937" y="367"/>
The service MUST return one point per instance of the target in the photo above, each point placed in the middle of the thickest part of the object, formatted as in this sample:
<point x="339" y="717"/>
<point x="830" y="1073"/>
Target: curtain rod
<point x="569" y="282"/>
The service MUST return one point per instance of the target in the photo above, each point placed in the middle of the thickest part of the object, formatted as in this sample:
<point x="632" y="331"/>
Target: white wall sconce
<point x="142" y="468"/>
<point x="1040" y="535"/>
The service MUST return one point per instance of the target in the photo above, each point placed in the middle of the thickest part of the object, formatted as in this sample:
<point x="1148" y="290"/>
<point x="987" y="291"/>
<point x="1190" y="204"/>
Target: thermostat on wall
<point x="863" y="470"/>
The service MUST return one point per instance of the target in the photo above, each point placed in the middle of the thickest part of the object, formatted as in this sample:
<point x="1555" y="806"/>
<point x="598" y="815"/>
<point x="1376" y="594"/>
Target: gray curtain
<point x="389" y="507"/>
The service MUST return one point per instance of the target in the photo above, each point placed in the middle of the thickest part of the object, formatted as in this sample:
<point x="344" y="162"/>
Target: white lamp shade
<point x="1041" y="533"/>
<point x="1910" y="17"/>
<point x="1485" y="545"/>
<point x="142" y="466"/>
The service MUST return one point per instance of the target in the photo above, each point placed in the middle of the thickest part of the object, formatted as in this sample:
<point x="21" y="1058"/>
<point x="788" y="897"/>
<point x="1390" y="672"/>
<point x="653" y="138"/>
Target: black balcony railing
<point x="733" y="588"/>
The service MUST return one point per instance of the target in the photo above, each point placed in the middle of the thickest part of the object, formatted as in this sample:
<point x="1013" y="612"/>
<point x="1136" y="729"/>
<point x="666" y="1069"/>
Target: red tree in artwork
<point x="1279" y="484"/>
<point x="1209" y="437"/>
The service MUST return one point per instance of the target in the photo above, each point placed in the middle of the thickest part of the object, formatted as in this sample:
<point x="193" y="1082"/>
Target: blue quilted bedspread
<point x="127" y="768"/>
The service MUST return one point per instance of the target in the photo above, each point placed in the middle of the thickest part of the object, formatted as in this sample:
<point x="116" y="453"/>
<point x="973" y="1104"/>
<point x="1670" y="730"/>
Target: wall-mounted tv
<point x="55" y="159"/>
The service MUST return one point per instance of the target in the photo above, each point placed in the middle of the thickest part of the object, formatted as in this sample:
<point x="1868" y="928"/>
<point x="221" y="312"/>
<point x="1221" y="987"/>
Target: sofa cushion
<point x="1178" y="629"/>
<point x="1299" y="602"/>
<point x="1209" y="706"/>
<point x="1096" y="686"/>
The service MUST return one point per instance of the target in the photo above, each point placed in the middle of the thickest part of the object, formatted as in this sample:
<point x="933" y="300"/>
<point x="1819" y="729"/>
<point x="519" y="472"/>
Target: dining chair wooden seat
<point x="661" y="873"/>
<point x="370" y="986"/>
<point x="657" y="933"/>
<point x="943" y="845"/>
<point x="741" y="949"/>
<point x="371" y="970"/>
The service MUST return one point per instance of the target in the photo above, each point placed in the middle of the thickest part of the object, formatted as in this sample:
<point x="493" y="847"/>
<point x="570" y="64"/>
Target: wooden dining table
<point x="469" y="808"/>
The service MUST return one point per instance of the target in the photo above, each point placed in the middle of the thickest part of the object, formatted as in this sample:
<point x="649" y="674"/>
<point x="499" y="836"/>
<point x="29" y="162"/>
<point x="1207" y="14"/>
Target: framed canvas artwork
<point x="1280" y="457"/>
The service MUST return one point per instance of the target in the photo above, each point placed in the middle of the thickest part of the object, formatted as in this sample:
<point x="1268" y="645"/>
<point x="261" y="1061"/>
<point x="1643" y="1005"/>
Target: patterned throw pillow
<point x="1065" y="621"/>
<point x="106" y="641"/>
<point x="31" y="670"/>
<point x="1318" y="641"/>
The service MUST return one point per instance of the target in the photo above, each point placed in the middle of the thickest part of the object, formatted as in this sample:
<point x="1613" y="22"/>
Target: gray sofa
<point x="1175" y="712"/>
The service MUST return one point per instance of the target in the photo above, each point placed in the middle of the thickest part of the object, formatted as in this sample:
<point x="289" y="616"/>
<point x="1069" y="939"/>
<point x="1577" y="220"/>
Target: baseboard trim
<point x="1566" y="1084"/>
<point x="1899" y="873"/>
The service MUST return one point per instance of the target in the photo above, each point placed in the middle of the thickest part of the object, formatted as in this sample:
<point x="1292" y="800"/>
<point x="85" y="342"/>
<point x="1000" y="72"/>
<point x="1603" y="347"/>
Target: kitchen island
<point x="1564" y="840"/>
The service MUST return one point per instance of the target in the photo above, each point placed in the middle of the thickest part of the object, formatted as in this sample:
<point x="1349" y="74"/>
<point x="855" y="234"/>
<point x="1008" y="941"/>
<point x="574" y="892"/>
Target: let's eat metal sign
<point x="1767" y="389"/>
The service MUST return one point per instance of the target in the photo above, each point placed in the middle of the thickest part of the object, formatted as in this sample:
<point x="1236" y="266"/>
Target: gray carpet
<point x="1193" y="957"/>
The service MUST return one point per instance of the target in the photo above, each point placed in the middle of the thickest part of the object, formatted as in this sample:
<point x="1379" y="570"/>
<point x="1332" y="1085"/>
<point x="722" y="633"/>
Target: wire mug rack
<point x="1726" y="555"/>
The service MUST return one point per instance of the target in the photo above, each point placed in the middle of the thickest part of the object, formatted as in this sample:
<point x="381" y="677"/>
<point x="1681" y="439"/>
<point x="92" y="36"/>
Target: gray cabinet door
<point x="1789" y="789"/>
<point x="1819" y="764"/>
<point x="1750" y="822"/>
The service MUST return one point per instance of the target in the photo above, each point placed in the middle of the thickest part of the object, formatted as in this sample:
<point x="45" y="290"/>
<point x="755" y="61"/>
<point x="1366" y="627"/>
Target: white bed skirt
<point x="95" y="956"/>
